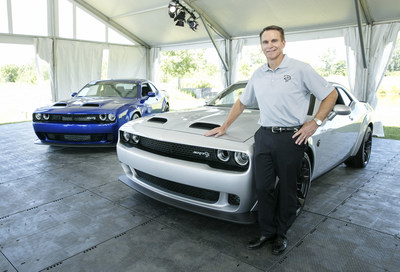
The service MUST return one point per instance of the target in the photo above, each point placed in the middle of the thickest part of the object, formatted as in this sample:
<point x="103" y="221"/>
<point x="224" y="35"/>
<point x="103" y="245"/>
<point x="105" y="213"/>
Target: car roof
<point x="119" y="80"/>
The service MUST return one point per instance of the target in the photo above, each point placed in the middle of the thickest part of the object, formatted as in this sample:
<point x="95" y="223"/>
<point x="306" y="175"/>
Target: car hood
<point x="199" y="121"/>
<point x="83" y="104"/>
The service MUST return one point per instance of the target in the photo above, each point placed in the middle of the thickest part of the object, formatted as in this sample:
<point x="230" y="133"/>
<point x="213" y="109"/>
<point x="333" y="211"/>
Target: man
<point x="282" y="89"/>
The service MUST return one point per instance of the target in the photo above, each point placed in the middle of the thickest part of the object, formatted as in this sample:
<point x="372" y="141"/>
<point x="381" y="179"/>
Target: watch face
<point x="319" y="122"/>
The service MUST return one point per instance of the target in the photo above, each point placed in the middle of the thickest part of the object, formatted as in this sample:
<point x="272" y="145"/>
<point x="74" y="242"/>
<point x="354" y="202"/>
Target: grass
<point x="392" y="133"/>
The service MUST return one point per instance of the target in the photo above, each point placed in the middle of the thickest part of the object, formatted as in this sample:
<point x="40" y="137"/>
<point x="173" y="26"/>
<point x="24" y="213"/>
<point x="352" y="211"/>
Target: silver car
<point x="166" y="156"/>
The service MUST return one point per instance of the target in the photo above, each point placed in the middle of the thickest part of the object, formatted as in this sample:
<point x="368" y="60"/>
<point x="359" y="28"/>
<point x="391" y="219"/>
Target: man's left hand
<point x="305" y="132"/>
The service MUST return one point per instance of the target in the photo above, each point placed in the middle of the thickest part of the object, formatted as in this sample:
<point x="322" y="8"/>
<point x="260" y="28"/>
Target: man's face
<point x="272" y="44"/>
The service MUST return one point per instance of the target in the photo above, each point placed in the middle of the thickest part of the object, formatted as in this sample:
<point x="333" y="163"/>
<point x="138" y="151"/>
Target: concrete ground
<point x="63" y="209"/>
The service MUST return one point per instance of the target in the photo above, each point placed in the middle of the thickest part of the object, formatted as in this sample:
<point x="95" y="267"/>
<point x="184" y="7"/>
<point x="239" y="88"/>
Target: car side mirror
<point x="339" y="110"/>
<point x="151" y="94"/>
<point x="74" y="94"/>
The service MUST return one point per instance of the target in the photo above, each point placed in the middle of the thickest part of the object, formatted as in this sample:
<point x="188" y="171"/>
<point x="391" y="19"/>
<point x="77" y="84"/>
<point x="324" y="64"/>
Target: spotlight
<point x="172" y="9"/>
<point x="180" y="18"/>
<point x="192" y="23"/>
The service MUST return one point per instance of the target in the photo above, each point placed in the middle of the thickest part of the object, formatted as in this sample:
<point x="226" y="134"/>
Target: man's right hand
<point x="218" y="131"/>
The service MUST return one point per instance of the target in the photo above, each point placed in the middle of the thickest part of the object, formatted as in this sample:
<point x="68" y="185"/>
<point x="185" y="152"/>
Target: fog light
<point x="223" y="155"/>
<point x="241" y="158"/>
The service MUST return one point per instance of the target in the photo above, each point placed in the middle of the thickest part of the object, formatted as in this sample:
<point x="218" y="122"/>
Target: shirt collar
<point x="283" y="64"/>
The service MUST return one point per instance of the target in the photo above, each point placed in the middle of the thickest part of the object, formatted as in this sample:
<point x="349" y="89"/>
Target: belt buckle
<point x="276" y="129"/>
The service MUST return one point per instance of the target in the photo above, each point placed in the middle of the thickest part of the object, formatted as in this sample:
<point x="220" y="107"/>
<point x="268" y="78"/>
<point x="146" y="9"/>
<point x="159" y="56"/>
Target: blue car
<point x="93" y="115"/>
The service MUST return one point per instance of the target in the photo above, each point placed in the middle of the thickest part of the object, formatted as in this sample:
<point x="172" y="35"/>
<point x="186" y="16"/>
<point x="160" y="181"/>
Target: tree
<point x="394" y="65"/>
<point x="10" y="72"/>
<point x="179" y="63"/>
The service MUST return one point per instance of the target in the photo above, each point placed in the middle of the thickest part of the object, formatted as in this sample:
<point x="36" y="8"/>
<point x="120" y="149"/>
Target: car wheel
<point x="361" y="159"/>
<point x="303" y="183"/>
<point x="135" y="116"/>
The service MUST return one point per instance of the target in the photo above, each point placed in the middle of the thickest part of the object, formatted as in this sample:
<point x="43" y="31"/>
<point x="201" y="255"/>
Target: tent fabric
<point x="365" y="81"/>
<point x="126" y="62"/>
<point x="154" y="63"/>
<point x="77" y="63"/>
<point x="44" y="51"/>
<point x="237" y="47"/>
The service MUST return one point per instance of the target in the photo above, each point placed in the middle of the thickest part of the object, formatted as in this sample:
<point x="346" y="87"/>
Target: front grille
<point x="186" y="152"/>
<point x="75" y="137"/>
<point x="204" y="195"/>
<point x="73" y="118"/>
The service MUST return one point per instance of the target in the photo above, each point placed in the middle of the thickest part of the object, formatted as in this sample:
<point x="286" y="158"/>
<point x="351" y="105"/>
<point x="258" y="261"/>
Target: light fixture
<point x="178" y="12"/>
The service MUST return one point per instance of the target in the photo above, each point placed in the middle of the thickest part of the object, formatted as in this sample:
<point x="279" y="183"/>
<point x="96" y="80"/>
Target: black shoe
<point x="279" y="246"/>
<point x="259" y="242"/>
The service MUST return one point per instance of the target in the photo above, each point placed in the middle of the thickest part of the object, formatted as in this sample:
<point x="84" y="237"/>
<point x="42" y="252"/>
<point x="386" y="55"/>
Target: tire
<point x="135" y="116"/>
<point x="303" y="183"/>
<point x="361" y="159"/>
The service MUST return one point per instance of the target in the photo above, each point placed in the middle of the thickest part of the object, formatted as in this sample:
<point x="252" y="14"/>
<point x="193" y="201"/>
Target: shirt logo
<point x="287" y="78"/>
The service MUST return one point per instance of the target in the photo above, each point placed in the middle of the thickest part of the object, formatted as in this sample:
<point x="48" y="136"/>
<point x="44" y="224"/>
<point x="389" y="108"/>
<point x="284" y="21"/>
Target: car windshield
<point x="110" y="89"/>
<point x="228" y="97"/>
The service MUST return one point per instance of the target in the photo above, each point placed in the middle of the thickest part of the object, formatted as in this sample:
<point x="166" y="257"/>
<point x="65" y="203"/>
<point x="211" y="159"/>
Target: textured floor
<point x="63" y="209"/>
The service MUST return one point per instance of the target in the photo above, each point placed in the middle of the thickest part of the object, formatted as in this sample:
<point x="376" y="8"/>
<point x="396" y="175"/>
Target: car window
<point x="343" y="98"/>
<point x="229" y="96"/>
<point x="129" y="90"/>
<point x="153" y="88"/>
<point x="145" y="89"/>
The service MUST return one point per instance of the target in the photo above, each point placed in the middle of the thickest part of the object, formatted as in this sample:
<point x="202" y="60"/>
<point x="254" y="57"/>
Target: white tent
<point x="227" y="24"/>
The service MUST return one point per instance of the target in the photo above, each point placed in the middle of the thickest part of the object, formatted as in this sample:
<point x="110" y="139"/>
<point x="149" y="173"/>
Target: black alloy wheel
<point x="303" y="183"/>
<point x="361" y="159"/>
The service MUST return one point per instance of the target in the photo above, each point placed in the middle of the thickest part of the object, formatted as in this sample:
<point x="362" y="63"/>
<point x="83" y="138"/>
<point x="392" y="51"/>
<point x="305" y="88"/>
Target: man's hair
<point x="274" y="27"/>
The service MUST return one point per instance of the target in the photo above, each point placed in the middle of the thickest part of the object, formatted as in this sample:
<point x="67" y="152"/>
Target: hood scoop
<point x="60" y="104"/>
<point x="159" y="120"/>
<point x="206" y="126"/>
<point x="92" y="105"/>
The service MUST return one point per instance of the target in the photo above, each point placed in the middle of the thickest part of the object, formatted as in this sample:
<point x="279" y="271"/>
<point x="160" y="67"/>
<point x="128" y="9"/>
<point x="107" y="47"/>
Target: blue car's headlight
<point x="38" y="116"/>
<point x="111" y="117"/>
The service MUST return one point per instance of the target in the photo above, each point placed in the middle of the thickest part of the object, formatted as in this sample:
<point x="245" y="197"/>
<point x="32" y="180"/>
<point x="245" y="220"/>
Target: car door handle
<point x="351" y="118"/>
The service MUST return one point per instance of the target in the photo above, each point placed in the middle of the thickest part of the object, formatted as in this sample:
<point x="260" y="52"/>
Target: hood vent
<point x="206" y="126"/>
<point x="159" y="120"/>
<point x="61" y="104"/>
<point x="91" y="105"/>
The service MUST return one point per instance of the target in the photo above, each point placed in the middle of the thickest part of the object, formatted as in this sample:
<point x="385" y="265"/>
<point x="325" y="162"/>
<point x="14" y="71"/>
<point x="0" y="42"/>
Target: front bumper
<point x="76" y="134"/>
<point x="222" y="194"/>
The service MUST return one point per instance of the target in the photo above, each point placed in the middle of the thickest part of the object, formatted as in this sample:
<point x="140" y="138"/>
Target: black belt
<point x="282" y="129"/>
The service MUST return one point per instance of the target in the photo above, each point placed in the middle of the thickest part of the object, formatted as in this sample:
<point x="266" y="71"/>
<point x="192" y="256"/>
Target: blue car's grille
<point x="72" y="118"/>
<point x="79" y="137"/>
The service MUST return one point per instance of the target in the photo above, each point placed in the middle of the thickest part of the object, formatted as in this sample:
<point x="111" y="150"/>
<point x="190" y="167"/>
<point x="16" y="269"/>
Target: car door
<point x="156" y="102"/>
<point x="337" y="135"/>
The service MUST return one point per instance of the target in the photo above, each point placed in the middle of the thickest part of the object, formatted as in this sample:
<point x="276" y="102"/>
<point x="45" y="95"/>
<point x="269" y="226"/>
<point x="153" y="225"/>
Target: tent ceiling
<point x="149" y="21"/>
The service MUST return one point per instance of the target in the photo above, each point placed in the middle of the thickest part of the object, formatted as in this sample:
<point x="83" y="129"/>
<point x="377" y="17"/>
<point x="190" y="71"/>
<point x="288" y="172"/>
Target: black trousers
<point x="277" y="164"/>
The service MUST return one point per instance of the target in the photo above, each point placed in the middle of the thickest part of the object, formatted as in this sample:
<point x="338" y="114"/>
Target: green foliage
<point x="179" y="63"/>
<point x="14" y="73"/>
<point x="10" y="72"/>
<point x="392" y="133"/>
<point x="331" y="66"/>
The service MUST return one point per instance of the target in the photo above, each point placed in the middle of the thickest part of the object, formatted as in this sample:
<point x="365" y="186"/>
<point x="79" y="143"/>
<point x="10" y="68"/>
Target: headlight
<point x="38" y="116"/>
<point x="126" y="136"/>
<point x="46" y="116"/>
<point x="111" y="117"/>
<point x="135" y="139"/>
<point x="223" y="155"/>
<point x="103" y="117"/>
<point x="241" y="158"/>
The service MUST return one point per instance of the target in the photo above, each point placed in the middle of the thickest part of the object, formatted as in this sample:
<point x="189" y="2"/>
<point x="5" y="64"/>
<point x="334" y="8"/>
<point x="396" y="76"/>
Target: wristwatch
<point x="319" y="122"/>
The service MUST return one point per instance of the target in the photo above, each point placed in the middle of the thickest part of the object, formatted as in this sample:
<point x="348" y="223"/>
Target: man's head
<point x="272" y="39"/>
<point x="274" y="27"/>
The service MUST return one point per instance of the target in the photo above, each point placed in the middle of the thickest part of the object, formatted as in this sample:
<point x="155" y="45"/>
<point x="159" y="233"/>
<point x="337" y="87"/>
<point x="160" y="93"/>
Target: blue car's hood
<point x="84" y="104"/>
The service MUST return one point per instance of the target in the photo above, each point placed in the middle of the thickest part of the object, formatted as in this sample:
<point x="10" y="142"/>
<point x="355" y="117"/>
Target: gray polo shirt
<point x="283" y="94"/>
